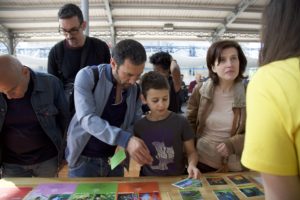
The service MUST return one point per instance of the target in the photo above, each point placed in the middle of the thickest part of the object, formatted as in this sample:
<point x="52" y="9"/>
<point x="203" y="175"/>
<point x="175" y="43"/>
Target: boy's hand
<point x="193" y="172"/>
<point x="139" y="151"/>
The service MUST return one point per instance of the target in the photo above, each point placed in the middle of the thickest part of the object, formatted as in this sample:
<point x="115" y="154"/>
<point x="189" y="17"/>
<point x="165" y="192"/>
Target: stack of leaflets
<point x="238" y="179"/>
<point x="188" y="182"/>
<point x="250" y="191"/>
<point x="138" y="190"/>
<point x="190" y="194"/>
<point x="95" y="191"/>
<point x="216" y="180"/>
<point x="189" y="189"/>
<point x="226" y="194"/>
<point x="221" y="194"/>
<point x="52" y="191"/>
<point x="245" y="186"/>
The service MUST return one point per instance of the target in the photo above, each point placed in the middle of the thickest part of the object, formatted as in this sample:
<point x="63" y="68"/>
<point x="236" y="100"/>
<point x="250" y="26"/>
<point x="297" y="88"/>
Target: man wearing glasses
<point x="76" y="51"/>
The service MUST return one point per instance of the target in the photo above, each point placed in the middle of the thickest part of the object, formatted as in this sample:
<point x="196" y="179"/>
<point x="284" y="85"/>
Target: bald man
<point x="33" y="119"/>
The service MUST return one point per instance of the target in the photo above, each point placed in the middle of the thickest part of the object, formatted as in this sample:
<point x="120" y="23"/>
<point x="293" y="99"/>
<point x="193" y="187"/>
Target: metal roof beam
<point x="39" y="7"/>
<point x="3" y="29"/>
<point x="183" y="6"/>
<point x="110" y="21"/>
<point x="131" y="18"/>
<point x="230" y="18"/>
<point x="181" y="19"/>
<point x="41" y="19"/>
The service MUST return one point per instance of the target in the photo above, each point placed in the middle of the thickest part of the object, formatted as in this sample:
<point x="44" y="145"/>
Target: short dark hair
<point x="70" y="10"/>
<point x="162" y="59"/>
<point x="214" y="53"/>
<point x="130" y="49"/>
<point x="280" y="31"/>
<point x="153" y="80"/>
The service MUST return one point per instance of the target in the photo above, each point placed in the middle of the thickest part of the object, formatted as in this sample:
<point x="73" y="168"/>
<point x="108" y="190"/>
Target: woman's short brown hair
<point x="214" y="53"/>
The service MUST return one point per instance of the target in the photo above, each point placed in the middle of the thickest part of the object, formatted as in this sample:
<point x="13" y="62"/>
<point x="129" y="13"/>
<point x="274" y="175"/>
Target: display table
<point x="167" y="190"/>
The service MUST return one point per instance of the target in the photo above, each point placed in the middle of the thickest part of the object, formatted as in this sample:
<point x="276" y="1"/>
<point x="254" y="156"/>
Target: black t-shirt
<point x="71" y="64"/>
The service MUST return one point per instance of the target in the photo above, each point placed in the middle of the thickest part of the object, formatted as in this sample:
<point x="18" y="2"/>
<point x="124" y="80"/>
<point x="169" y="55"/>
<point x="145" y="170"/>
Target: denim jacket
<point x="89" y="107"/>
<point x="50" y="106"/>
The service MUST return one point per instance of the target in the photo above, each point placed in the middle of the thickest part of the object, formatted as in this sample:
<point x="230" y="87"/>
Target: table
<point x="167" y="191"/>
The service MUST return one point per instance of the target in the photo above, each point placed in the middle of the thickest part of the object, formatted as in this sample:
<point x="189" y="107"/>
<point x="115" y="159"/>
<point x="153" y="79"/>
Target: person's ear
<point x="25" y="71"/>
<point x="213" y="68"/>
<point x="83" y="25"/>
<point x="144" y="101"/>
<point x="113" y="64"/>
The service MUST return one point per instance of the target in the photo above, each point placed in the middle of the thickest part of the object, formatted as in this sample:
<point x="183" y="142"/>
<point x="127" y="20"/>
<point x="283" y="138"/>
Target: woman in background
<point x="216" y="109"/>
<point x="272" y="144"/>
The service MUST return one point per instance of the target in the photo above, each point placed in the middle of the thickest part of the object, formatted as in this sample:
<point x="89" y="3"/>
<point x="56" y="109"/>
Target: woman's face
<point x="229" y="66"/>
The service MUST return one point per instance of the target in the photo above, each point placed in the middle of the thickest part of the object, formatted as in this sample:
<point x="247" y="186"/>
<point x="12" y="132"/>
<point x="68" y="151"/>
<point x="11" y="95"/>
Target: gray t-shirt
<point x="165" y="139"/>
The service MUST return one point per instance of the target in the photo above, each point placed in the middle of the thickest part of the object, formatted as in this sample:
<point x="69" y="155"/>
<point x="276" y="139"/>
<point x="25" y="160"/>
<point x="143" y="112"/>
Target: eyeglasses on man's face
<point x="72" y="31"/>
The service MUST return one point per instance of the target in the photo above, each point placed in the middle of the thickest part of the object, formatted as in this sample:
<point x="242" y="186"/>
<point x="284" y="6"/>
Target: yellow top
<point x="272" y="143"/>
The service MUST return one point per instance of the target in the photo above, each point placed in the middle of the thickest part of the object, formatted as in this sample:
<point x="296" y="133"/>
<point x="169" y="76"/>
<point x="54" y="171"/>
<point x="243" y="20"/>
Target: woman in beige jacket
<point x="216" y="109"/>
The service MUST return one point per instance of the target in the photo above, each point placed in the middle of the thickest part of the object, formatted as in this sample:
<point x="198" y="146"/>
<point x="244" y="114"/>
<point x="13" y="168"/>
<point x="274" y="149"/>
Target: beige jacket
<point x="200" y="105"/>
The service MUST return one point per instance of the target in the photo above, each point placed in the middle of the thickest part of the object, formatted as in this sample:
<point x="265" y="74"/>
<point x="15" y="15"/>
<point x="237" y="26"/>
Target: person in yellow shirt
<point x="272" y="143"/>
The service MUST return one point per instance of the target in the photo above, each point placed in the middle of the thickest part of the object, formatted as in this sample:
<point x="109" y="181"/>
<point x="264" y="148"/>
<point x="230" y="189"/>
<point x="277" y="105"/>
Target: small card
<point x="226" y="194"/>
<point x="117" y="158"/>
<point x="79" y="196"/>
<point x="190" y="194"/>
<point x="251" y="191"/>
<point x="151" y="195"/>
<point x="216" y="180"/>
<point x="59" y="197"/>
<point x="188" y="182"/>
<point x="238" y="179"/>
<point x="127" y="196"/>
<point x="35" y="196"/>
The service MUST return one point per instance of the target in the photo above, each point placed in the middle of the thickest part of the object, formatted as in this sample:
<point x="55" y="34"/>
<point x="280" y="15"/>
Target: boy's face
<point x="157" y="101"/>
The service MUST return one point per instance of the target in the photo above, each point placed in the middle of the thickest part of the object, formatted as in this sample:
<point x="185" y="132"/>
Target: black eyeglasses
<point x="72" y="31"/>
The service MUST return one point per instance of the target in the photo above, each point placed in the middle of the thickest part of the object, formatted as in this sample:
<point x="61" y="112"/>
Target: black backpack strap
<point x="85" y="51"/>
<point x="96" y="77"/>
<point x="59" y="57"/>
<point x="138" y="87"/>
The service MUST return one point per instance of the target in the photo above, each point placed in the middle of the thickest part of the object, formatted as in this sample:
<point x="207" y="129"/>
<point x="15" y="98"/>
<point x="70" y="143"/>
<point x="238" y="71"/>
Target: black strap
<point x="59" y="57"/>
<point x="96" y="77"/>
<point x="138" y="91"/>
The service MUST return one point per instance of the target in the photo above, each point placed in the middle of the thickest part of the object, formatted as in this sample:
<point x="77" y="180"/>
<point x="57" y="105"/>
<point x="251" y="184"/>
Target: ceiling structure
<point x="113" y="20"/>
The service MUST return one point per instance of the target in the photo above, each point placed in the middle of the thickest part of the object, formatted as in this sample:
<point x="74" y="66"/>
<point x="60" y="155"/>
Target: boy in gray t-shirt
<point x="167" y="135"/>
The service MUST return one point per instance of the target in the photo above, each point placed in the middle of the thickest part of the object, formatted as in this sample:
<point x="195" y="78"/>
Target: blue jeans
<point x="48" y="168"/>
<point x="94" y="167"/>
